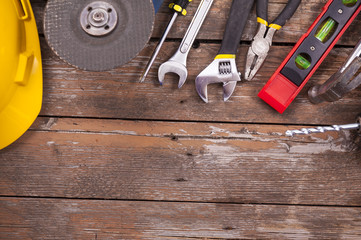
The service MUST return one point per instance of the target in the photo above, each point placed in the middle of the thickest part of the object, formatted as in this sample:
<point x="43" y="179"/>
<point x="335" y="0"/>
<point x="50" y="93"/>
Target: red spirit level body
<point x="308" y="53"/>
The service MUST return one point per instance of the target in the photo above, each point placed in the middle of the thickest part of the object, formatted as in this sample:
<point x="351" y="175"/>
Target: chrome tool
<point x="340" y="83"/>
<point x="223" y="69"/>
<point x="262" y="41"/>
<point x="179" y="7"/>
<point x="178" y="62"/>
<point x="305" y="131"/>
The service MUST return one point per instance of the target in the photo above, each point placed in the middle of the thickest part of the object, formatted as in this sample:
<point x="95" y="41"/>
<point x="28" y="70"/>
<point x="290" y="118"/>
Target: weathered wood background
<point x="110" y="158"/>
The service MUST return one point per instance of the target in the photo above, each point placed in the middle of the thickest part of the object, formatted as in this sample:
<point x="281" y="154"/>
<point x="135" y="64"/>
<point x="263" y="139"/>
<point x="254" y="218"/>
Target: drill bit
<point x="304" y="131"/>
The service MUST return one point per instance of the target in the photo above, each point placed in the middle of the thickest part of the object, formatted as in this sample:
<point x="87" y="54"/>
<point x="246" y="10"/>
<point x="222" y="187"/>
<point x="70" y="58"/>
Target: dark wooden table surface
<point x="110" y="158"/>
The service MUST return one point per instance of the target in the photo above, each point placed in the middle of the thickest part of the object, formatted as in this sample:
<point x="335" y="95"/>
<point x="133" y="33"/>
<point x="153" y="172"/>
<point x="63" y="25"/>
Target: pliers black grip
<point x="282" y="18"/>
<point x="262" y="41"/>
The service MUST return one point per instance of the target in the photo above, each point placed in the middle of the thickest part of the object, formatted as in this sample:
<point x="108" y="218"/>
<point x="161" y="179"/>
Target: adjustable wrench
<point x="223" y="69"/>
<point x="177" y="64"/>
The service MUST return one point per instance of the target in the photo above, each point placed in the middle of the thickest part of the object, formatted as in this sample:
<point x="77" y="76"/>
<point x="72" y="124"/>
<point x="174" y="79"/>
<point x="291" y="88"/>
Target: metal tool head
<point x="347" y="78"/>
<point x="338" y="85"/>
<point x="223" y="70"/>
<point x="98" y="35"/>
<point x="173" y="67"/>
<point x="258" y="50"/>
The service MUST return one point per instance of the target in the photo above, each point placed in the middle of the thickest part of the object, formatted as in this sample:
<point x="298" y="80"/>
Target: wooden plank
<point x="218" y="15"/>
<point x="217" y="18"/>
<point x="206" y="162"/>
<point x="88" y="219"/>
<point x="117" y="93"/>
<point x="71" y="92"/>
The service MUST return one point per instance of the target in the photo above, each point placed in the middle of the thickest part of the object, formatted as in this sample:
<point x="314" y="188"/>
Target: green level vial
<point x="326" y="30"/>
<point x="349" y="3"/>
<point x="303" y="61"/>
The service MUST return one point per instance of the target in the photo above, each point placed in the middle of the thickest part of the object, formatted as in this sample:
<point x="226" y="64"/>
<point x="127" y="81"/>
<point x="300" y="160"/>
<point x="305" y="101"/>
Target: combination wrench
<point x="179" y="8"/>
<point x="178" y="62"/>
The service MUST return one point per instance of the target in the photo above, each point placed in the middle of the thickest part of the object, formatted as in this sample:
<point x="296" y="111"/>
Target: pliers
<point x="262" y="41"/>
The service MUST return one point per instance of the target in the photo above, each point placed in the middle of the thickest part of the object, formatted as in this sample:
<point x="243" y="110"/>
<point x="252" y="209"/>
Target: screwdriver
<point x="179" y="7"/>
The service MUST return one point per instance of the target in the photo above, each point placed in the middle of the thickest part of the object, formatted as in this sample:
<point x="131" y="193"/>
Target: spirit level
<point x="309" y="52"/>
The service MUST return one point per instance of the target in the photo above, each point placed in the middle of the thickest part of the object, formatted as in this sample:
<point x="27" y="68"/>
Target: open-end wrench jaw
<point x="173" y="67"/>
<point x="178" y="62"/>
<point x="219" y="71"/>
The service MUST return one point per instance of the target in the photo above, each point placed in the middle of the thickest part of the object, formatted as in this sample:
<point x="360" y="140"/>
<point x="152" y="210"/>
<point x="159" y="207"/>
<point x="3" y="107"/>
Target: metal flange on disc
<point x="98" y="35"/>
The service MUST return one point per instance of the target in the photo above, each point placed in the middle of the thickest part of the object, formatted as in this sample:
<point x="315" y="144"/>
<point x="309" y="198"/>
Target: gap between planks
<point x="175" y="201"/>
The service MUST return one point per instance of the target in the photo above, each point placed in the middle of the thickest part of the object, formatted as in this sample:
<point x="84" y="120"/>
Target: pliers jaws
<point x="258" y="50"/>
<point x="262" y="41"/>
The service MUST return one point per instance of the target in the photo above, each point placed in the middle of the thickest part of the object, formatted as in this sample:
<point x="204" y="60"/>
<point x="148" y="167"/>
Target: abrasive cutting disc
<point x="98" y="35"/>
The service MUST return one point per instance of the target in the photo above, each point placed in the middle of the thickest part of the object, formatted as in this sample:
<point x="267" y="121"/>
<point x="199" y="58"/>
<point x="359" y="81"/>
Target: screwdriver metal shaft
<point x="305" y="131"/>
<point x="156" y="51"/>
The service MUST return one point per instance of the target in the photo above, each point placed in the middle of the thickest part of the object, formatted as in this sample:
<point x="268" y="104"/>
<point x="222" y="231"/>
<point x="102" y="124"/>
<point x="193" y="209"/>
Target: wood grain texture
<point x="205" y="162"/>
<point x="85" y="219"/>
<point x="111" y="158"/>
<point x="117" y="93"/>
<point x="215" y="23"/>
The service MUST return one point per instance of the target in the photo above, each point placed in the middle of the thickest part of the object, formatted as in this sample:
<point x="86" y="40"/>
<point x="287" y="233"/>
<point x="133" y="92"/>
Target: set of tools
<point x="178" y="62"/>
<point x="92" y="35"/>
<point x="339" y="84"/>
<point x="346" y="79"/>
<point x="98" y="35"/>
<point x="295" y="71"/>
<point x="102" y="34"/>
<point x="223" y="69"/>
<point x="308" y="53"/>
<point x="178" y="7"/>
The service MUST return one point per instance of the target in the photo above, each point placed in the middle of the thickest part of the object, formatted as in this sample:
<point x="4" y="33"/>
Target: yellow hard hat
<point x="20" y="70"/>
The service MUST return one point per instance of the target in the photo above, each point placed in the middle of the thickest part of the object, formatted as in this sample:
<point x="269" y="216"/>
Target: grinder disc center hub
<point x="98" y="18"/>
